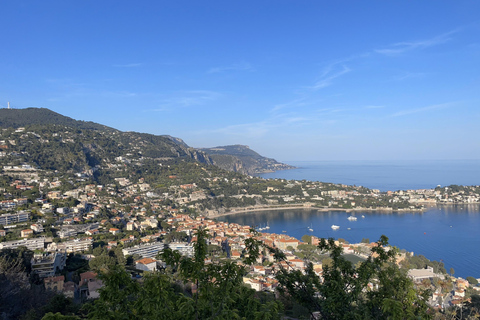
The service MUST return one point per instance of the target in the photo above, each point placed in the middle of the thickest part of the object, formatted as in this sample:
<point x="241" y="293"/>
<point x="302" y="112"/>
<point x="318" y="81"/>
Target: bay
<point x="444" y="233"/>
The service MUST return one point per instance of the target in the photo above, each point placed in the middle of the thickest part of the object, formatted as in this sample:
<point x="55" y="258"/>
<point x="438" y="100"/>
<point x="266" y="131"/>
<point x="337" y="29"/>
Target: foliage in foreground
<point x="376" y="289"/>
<point x="216" y="292"/>
<point x="191" y="289"/>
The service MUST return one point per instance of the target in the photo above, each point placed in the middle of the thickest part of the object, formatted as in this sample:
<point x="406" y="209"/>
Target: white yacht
<point x="352" y="218"/>
<point x="334" y="227"/>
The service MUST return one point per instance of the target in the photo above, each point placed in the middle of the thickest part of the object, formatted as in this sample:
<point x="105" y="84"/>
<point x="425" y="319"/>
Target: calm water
<point x="446" y="233"/>
<point x="386" y="175"/>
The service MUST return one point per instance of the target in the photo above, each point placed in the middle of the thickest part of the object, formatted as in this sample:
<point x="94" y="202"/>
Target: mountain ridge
<point x="237" y="158"/>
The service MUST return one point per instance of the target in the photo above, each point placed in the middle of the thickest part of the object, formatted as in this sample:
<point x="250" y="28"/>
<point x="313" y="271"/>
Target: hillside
<point x="14" y="118"/>
<point x="49" y="140"/>
<point x="240" y="158"/>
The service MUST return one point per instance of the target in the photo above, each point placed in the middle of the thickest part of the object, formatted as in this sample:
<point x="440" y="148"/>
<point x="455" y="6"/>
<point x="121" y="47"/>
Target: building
<point x="90" y="285"/>
<point x="114" y="231"/>
<point x="37" y="227"/>
<point x="26" y="233"/>
<point x="65" y="233"/>
<point x="69" y="289"/>
<point x="77" y="245"/>
<point x="31" y="244"/>
<point x="149" y="250"/>
<point x="2" y="233"/>
<point x="146" y="264"/>
<point x="11" y="218"/>
<point x="54" y="283"/>
<point x="48" y="264"/>
<point x="283" y="244"/>
<point x="420" y="274"/>
<point x="86" y="277"/>
<point x="184" y="248"/>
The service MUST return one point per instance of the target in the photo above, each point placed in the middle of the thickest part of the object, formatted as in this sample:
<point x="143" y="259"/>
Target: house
<point x="92" y="232"/>
<point x="253" y="283"/>
<point x="114" y="231"/>
<point x="69" y="289"/>
<point x="54" y="283"/>
<point x="86" y="277"/>
<point x="146" y="264"/>
<point x="26" y="233"/>
<point x="259" y="269"/>
<point x="462" y="283"/>
<point x="93" y="287"/>
<point x="283" y="244"/>
<point x="37" y="227"/>
<point x="2" y="233"/>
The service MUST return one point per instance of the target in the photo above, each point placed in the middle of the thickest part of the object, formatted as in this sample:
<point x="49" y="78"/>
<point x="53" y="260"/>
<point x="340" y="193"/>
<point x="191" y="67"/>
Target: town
<point x="76" y="227"/>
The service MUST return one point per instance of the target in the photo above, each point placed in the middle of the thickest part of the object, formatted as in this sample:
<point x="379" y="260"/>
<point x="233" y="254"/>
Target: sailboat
<point x="310" y="228"/>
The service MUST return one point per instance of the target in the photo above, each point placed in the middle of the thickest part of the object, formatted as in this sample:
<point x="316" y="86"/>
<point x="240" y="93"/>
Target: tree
<point x="216" y="291"/>
<point x="472" y="280"/>
<point x="307" y="239"/>
<point x="452" y="271"/>
<point x="472" y="307"/>
<point x="345" y="292"/>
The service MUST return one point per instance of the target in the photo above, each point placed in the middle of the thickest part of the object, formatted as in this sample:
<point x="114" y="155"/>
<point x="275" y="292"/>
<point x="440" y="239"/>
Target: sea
<point x="446" y="233"/>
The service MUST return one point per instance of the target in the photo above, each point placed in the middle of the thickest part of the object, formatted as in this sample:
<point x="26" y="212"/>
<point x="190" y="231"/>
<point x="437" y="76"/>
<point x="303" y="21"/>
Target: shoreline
<point x="308" y="206"/>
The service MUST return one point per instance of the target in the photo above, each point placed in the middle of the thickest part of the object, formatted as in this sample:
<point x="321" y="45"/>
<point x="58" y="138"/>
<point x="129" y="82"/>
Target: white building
<point x="31" y="244"/>
<point x="77" y="245"/>
<point x="146" y="264"/>
<point x="11" y="218"/>
<point x="48" y="264"/>
<point x="184" y="248"/>
<point x="149" y="250"/>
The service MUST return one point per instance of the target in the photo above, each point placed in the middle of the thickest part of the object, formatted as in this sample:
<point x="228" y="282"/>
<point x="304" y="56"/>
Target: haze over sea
<point x="447" y="233"/>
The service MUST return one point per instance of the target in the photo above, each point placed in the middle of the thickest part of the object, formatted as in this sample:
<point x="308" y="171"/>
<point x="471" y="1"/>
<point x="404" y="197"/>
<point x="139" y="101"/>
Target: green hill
<point x="49" y="140"/>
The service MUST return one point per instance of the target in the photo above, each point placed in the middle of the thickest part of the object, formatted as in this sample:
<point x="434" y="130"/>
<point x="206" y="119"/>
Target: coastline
<point x="308" y="206"/>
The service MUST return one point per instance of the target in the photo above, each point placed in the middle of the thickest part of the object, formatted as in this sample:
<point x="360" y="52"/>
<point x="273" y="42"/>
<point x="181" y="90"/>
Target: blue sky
<point x="294" y="80"/>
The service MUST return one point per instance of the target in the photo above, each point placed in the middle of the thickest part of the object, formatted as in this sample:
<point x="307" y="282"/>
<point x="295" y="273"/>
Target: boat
<point x="267" y="227"/>
<point x="310" y="228"/>
<point x="363" y="216"/>
<point x="349" y="228"/>
<point x="352" y="218"/>
<point x="334" y="227"/>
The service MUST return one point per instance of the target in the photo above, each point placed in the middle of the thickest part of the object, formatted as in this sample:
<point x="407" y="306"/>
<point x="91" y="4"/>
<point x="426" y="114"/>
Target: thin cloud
<point x="186" y="99"/>
<point x="242" y="66"/>
<point x="423" y="109"/>
<point x="331" y="72"/>
<point x="263" y="127"/>
<point x="402" y="47"/>
<point x="128" y="65"/>
<point x="292" y="104"/>
<point x="374" y="107"/>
